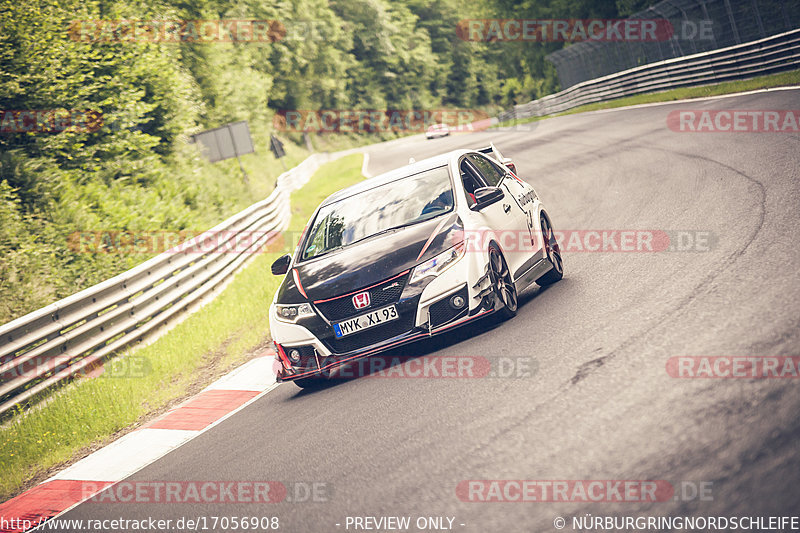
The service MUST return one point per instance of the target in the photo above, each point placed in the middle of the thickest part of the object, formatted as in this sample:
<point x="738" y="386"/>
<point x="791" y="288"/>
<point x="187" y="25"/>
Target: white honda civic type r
<point x="409" y="254"/>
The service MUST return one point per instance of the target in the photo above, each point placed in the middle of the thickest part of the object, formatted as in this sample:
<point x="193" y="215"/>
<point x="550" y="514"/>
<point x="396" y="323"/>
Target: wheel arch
<point x="543" y="213"/>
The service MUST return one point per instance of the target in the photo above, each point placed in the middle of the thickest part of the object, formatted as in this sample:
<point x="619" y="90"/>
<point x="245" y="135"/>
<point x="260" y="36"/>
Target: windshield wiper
<point x="387" y="230"/>
<point x="382" y="232"/>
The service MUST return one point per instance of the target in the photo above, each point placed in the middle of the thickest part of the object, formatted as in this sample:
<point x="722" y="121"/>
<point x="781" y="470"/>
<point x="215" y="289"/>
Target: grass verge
<point x="90" y="412"/>
<point x="762" y="82"/>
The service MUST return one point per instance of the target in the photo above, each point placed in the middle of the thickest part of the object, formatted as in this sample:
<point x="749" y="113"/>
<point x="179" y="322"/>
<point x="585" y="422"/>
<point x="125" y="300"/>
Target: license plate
<point x="370" y="320"/>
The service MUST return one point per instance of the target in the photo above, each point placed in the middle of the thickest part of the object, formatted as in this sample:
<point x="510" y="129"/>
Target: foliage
<point x="138" y="172"/>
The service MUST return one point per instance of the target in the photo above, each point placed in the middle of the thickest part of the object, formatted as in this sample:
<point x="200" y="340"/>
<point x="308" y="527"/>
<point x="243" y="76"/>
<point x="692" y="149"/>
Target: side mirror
<point x="487" y="196"/>
<point x="281" y="265"/>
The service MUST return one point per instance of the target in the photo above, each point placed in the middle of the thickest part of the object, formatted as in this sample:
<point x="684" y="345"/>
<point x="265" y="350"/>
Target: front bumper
<point x="425" y="310"/>
<point x="312" y="363"/>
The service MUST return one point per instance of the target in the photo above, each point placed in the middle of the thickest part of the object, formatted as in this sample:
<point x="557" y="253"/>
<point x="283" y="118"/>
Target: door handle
<point x="506" y="208"/>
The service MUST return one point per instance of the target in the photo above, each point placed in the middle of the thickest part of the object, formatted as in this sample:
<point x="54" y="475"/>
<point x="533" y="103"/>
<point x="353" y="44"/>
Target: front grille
<point x="374" y="335"/>
<point x="442" y="312"/>
<point x="342" y="307"/>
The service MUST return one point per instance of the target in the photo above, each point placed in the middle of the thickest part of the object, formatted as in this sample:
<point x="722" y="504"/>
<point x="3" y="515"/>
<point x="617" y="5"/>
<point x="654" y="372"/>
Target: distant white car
<point x="437" y="130"/>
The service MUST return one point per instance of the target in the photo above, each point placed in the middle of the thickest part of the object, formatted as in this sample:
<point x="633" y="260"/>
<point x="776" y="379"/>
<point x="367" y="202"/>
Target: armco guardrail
<point x="63" y="339"/>
<point x="765" y="56"/>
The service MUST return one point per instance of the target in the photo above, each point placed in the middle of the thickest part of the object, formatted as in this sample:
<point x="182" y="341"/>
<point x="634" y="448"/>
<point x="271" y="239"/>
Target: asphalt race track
<point x="598" y="403"/>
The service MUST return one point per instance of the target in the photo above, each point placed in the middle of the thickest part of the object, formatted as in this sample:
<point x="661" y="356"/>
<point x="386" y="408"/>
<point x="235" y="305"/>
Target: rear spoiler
<point x="492" y="150"/>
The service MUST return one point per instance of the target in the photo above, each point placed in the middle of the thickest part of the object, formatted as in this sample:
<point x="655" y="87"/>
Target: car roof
<point x="394" y="175"/>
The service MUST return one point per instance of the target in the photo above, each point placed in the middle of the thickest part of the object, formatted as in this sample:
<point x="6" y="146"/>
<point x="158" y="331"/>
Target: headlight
<point x="440" y="263"/>
<point x="290" y="313"/>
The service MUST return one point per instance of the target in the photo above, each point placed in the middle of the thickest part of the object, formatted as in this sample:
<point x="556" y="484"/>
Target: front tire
<point x="553" y="255"/>
<point x="504" y="289"/>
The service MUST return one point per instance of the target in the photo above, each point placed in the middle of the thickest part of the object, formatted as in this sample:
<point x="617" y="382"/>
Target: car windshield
<point x="393" y="205"/>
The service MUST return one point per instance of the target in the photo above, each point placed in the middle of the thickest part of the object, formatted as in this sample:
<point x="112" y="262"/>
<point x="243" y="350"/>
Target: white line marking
<point x="126" y="455"/>
<point x="254" y="375"/>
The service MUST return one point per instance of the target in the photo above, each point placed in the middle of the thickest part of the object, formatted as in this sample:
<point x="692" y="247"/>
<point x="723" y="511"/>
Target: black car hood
<point x="371" y="261"/>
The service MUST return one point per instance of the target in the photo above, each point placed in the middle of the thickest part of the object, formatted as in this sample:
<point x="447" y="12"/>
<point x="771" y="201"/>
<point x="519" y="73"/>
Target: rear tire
<point x="553" y="255"/>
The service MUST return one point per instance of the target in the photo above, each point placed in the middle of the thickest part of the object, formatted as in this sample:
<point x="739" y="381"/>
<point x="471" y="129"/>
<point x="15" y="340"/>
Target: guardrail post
<point x="732" y="21"/>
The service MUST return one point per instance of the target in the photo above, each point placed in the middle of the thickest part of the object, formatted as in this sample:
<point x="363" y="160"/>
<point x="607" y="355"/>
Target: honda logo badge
<point x="361" y="300"/>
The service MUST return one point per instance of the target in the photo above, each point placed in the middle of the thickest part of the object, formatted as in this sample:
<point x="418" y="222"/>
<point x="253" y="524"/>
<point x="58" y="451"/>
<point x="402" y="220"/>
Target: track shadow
<point x="424" y="347"/>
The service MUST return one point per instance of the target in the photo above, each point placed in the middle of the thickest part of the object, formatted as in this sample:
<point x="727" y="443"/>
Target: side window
<point x="498" y="168"/>
<point x="490" y="172"/>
